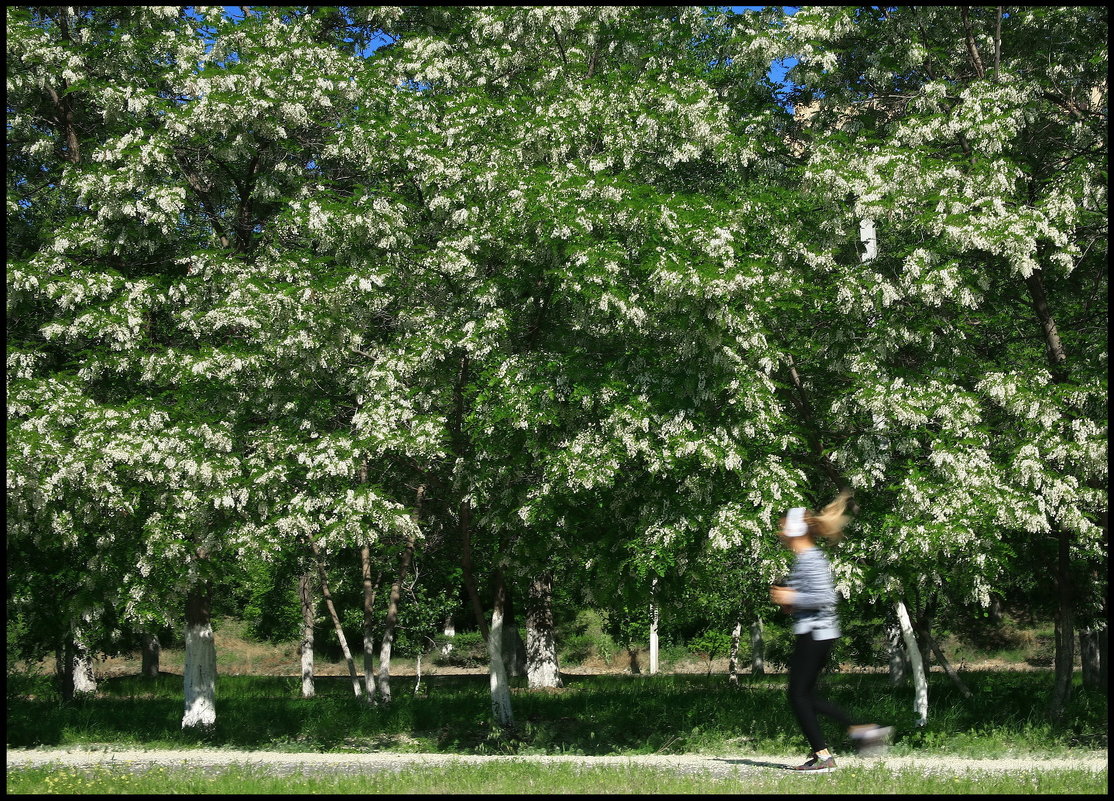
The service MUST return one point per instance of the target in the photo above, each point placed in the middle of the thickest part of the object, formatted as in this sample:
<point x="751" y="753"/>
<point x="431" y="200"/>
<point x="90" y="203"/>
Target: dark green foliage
<point x="468" y="650"/>
<point x="271" y="606"/>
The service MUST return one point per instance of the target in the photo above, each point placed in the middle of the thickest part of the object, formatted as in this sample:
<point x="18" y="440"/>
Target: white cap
<point x="795" y="525"/>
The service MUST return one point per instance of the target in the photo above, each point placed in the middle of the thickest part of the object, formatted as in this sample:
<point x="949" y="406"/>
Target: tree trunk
<point x="370" y="587"/>
<point x="448" y="631"/>
<point x="150" y="651"/>
<point x="733" y="658"/>
<point x="63" y="105"/>
<point x="922" y="628"/>
<point x="920" y="683"/>
<point x="899" y="663"/>
<point x="1065" y="615"/>
<point x="84" y="682"/>
<point x="336" y="620"/>
<point x="541" y="646"/>
<point x="757" y="648"/>
<point x="947" y="666"/>
<point x="972" y="48"/>
<point x="1090" y="657"/>
<point x="63" y="667"/>
<point x="392" y="606"/>
<point x="514" y="650"/>
<point x="305" y="648"/>
<point x="500" y="689"/>
<point x="1065" y="628"/>
<point x="654" y="626"/>
<point x="466" y="565"/>
<point x="199" y="676"/>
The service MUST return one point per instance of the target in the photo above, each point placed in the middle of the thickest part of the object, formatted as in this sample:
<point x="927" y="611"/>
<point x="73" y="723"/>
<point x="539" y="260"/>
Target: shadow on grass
<point x="756" y="763"/>
<point x="590" y="715"/>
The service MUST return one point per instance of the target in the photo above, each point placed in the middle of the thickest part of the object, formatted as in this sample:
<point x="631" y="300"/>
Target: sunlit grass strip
<point x="534" y="779"/>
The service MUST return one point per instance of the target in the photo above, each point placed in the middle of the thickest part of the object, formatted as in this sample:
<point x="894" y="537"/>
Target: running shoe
<point x="872" y="740"/>
<point x="817" y="765"/>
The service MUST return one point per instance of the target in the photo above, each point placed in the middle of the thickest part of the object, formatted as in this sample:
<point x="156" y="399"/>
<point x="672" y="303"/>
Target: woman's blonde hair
<point x="830" y="521"/>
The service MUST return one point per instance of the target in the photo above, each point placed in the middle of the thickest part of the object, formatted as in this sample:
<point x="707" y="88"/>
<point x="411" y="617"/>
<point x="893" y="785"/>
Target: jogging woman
<point x="811" y="598"/>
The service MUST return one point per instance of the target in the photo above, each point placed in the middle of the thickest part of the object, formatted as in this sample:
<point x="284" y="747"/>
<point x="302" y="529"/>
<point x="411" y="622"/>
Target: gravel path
<point x="284" y="763"/>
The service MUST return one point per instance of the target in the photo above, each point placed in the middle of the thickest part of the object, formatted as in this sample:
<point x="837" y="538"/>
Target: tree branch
<point x="972" y="49"/>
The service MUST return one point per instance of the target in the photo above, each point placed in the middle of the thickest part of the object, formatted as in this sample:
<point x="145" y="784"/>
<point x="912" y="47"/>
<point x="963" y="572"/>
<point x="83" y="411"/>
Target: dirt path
<point x="283" y="763"/>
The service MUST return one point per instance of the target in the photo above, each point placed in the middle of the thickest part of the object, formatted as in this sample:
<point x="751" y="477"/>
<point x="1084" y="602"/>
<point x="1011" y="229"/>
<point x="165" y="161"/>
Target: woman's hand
<point x="782" y="596"/>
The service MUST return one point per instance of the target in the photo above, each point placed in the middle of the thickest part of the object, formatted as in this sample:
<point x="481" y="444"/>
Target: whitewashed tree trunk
<point x="654" y="627"/>
<point x="370" y="587"/>
<point x="385" y="647"/>
<point x="449" y="631"/>
<point x="199" y="676"/>
<point x="84" y="682"/>
<point x="541" y="647"/>
<point x="733" y="658"/>
<point x="500" y="689"/>
<point x="920" y="682"/>
<point x="305" y="592"/>
<point x="150" y="652"/>
<point x="757" y="648"/>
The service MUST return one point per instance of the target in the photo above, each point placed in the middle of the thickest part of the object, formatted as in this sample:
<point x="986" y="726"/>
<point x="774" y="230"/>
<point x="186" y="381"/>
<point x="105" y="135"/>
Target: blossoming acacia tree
<point x="548" y="270"/>
<point x="957" y="396"/>
<point x="152" y="314"/>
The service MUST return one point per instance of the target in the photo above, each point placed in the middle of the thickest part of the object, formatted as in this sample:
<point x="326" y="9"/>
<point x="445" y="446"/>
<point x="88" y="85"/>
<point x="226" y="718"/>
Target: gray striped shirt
<point x="814" y="605"/>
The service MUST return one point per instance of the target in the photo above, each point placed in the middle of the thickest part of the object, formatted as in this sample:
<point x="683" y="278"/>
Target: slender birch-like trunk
<point x="934" y="646"/>
<point x="500" y="689"/>
<point x="336" y="620"/>
<point x="541" y="647"/>
<point x="392" y="605"/>
<point x="305" y="648"/>
<point x="733" y="657"/>
<point x="920" y="683"/>
<point x="654" y="626"/>
<point x="199" y="676"/>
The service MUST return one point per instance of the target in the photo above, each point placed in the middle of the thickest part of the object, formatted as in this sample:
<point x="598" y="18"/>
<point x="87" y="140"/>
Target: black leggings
<point x="809" y="658"/>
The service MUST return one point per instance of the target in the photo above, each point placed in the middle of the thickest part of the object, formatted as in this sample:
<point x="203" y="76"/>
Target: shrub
<point x="584" y="639"/>
<point x="468" y="650"/>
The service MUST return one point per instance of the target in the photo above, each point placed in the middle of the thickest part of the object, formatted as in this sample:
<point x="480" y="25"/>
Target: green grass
<point x="526" y="778"/>
<point x="592" y="715"/>
<point x="611" y="714"/>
